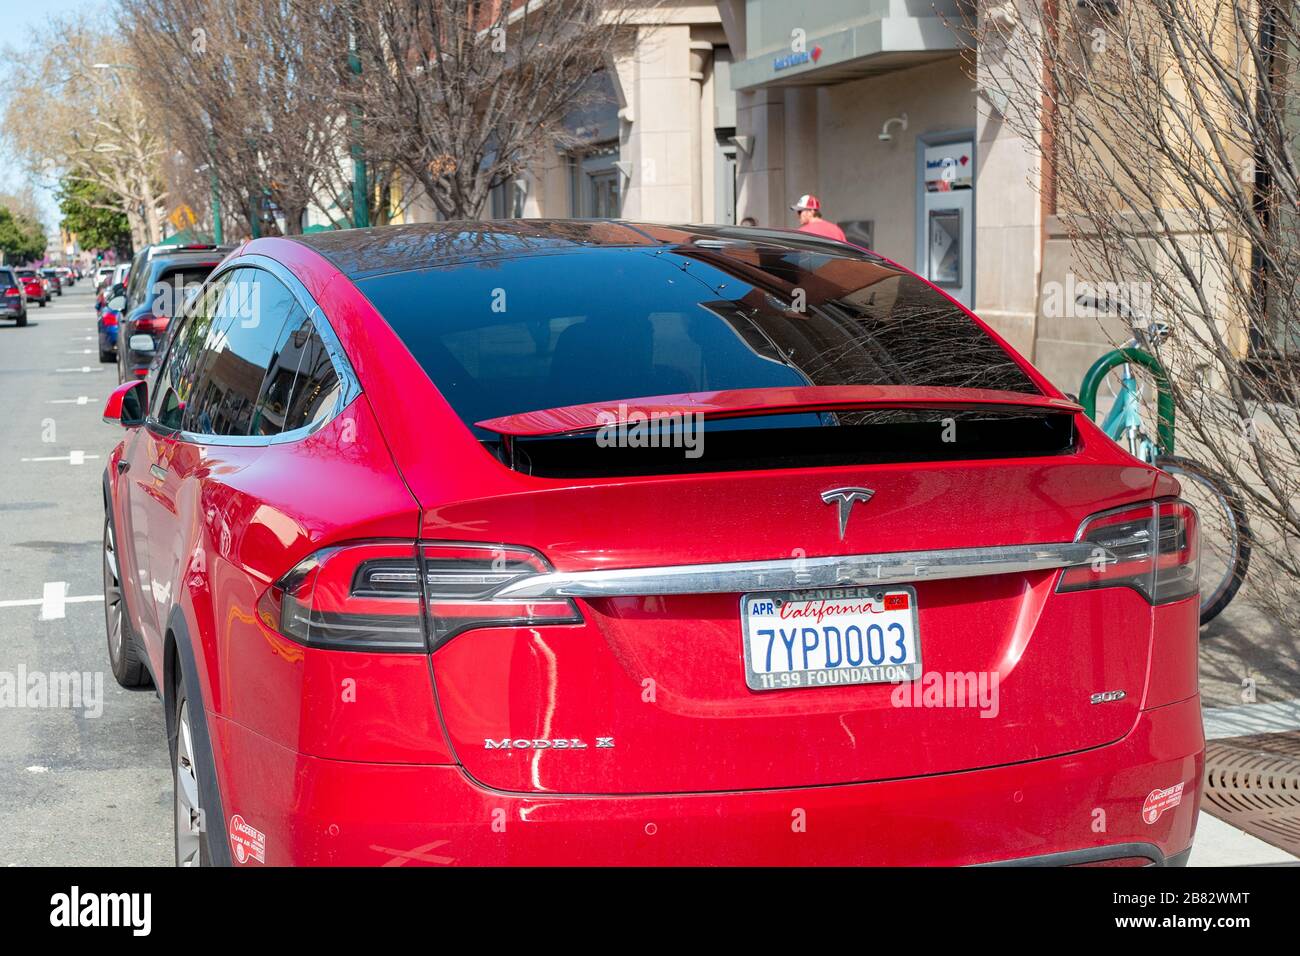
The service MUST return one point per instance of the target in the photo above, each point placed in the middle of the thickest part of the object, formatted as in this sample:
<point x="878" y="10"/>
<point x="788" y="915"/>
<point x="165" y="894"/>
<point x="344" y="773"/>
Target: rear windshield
<point x="521" y="334"/>
<point x="174" y="286"/>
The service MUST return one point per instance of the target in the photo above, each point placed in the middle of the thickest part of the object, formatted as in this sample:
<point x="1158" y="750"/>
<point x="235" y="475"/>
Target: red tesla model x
<point x="612" y="543"/>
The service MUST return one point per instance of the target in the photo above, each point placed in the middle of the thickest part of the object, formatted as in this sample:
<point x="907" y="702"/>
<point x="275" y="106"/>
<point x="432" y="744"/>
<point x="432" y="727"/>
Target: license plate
<point x="829" y="638"/>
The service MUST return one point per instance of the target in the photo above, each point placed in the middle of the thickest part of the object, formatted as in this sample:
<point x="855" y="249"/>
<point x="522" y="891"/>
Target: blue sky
<point x="23" y="20"/>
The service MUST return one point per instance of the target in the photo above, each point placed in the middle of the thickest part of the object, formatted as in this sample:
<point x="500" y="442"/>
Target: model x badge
<point x="846" y="497"/>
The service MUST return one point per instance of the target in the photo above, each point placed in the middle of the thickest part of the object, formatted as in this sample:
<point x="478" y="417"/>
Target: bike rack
<point x="1164" y="401"/>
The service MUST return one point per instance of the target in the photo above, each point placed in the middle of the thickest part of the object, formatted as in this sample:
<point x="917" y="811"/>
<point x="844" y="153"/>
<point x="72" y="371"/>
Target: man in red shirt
<point x="809" y="209"/>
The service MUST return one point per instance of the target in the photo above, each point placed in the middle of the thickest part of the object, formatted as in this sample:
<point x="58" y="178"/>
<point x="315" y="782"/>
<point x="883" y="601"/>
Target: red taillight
<point x="12" y="290"/>
<point x="110" y="318"/>
<point x="367" y="596"/>
<point x="460" y="580"/>
<point x="151" y="323"/>
<point x="1153" y="548"/>
<point x="317" y="603"/>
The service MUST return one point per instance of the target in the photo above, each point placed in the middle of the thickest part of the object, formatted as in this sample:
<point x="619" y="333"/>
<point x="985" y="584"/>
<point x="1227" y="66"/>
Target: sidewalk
<point x="1219" y="844"/>
<point x="1252" y="769"/>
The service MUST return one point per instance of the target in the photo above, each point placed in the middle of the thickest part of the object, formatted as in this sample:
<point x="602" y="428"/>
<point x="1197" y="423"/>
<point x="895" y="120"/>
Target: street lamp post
<point x="213" y="185"/>
<point x="360" y="199"/>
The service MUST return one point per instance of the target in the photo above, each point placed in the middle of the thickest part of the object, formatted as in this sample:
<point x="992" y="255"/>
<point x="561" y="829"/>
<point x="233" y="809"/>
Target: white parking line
<point x="72" y="458"/>
<point x="40" y="601"/>
<point x="84" y="368"/>
<point x="79" y="400"/>
<point x="54" y="600"/>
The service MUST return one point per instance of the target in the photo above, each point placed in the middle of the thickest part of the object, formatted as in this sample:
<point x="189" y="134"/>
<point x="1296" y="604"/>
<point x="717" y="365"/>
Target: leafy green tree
<point x="22" y="238"/>
<point x="94" y="214"/>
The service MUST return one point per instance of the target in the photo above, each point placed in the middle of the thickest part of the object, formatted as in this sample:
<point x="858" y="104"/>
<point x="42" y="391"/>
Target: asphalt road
<point x="86" y="784"/>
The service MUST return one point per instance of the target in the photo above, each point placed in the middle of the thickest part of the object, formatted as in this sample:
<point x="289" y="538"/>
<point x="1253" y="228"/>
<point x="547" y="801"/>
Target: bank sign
<point x="797" y="59"/>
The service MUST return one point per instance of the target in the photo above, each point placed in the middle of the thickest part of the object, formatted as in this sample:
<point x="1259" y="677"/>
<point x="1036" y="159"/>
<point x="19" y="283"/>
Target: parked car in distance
<point x="35" y="286"/>
<point x="117" y="275"/>
<point x="67" y="275"/>
<point x="54" y="279"/>
<point x="162" y="279"/>
<point x="13" y="298"/>
<point x="414" y="461"/>
<point x="109" y="323"/>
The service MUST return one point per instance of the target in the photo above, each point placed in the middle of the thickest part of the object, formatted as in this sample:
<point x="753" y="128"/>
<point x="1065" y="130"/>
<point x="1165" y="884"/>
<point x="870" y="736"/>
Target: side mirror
<point x="116" y="304"/>
<point x="127" y="404"/>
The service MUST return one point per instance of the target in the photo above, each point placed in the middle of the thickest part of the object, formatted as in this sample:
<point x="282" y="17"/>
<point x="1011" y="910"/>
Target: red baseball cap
<point x="808" y="201"/>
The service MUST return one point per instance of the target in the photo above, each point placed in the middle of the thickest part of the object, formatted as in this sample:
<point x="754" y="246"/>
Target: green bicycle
<point x="1131" y="373"/>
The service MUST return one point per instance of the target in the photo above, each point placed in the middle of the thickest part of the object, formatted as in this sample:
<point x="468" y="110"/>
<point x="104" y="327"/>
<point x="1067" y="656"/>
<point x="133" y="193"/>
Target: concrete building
<point x="721" y="111"/>
<point x="661" y="149"/>
<point x="871" y="105"/>
<point x="715" y="112"/>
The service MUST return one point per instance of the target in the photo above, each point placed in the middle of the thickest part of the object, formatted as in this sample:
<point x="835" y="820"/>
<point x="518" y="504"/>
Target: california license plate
<point x="830" y="637"/>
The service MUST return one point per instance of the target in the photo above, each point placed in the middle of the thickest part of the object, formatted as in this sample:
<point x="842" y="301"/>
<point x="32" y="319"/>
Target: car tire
<point x="22" y="320"/>
<point x="41" y="303"/>
<point x="123" y="651"/>
<point x="190" y="826"/>
<point x="107" y="356"/>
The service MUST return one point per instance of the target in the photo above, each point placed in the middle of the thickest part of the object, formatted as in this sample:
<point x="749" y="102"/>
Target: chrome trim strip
<point x="798" y="574"/>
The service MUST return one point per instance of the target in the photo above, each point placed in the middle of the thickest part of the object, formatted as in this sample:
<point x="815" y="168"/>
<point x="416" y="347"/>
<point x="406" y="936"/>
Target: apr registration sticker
<point x="1158" y="801"/>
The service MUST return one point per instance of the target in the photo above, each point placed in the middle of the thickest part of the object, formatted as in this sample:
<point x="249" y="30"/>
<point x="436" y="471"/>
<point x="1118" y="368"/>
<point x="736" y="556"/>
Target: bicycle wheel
<point x="1225" y="532"/>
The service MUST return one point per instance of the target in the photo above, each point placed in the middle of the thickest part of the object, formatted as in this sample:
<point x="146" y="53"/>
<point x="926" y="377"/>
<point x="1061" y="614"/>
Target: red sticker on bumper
<point x="1158" y="801"/>
<point x="246" y="842"/>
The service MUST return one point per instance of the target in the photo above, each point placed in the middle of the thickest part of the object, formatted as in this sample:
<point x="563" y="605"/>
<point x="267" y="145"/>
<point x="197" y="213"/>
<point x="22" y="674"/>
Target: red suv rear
<point x="609" y="543"/>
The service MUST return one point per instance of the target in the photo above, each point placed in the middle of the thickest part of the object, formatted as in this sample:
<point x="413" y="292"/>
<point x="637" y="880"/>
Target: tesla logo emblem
<point x="846" y="497"/>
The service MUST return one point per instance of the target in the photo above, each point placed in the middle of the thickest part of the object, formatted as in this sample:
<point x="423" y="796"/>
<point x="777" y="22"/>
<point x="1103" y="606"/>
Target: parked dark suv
<point x="161" y="278"/>
<point x="13" y="299"/>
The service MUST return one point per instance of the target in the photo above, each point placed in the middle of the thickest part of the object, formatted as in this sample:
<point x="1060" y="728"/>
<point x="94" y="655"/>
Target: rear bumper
<point x="317" y="811"/>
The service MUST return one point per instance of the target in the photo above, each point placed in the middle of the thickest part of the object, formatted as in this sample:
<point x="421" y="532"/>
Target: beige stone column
<point x="660" y="146"/>
<point x="760" y="125"/>
<point x="701" y="54"/>
<point x="802" y="172"/>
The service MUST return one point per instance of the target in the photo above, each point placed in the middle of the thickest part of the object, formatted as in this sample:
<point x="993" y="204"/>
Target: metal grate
<point x="1253" y="783"/>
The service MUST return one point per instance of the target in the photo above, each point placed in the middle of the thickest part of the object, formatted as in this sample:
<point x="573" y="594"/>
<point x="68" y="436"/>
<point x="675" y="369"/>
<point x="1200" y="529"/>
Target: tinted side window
<point x="7" y="278"/>
<point x="317" y="388"/>
<point x="302" y="386"/>
<point x="135" y="290"/>
<point x="177" y="374"/>
<point x="250" y="315"/>
<point x="277" y="386"/>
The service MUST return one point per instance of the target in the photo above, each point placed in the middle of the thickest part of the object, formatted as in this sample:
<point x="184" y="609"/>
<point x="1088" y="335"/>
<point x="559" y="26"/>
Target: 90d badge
<point x="556" y="743"/>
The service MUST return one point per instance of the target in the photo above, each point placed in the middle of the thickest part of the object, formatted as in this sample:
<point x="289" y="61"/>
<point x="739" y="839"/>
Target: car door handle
<point x="158" y="472"/>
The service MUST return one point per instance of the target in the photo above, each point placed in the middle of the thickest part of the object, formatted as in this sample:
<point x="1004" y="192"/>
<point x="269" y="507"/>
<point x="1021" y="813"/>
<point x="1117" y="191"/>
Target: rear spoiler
<point x="752" y="402"/>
